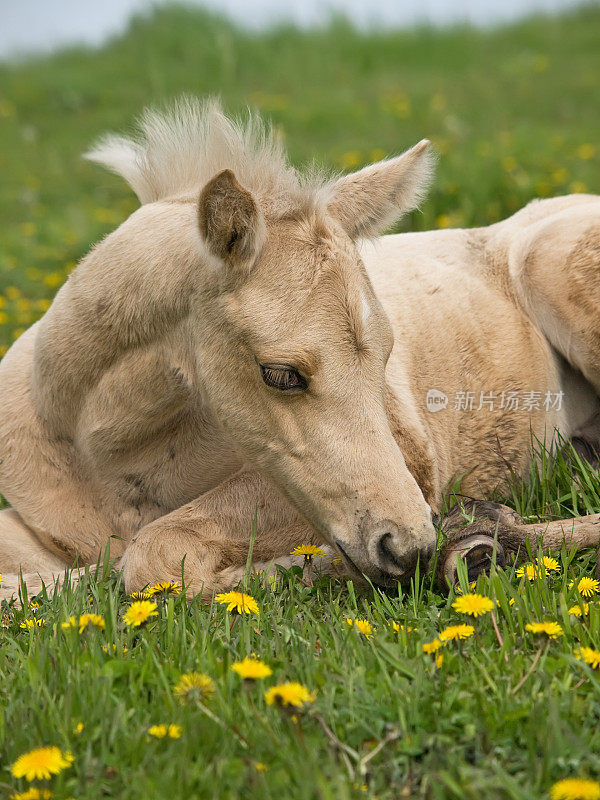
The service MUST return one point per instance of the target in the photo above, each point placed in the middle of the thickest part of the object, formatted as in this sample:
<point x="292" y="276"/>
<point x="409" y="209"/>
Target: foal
<point x="244" y="346"/>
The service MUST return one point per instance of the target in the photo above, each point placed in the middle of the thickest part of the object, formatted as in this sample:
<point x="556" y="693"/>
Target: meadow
<point x="402" y="704"/>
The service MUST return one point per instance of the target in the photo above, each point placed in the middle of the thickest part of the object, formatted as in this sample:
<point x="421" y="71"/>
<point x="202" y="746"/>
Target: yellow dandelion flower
<point x="289" y="694"/>
<point x="560" y="175"/>
<point x="586" y="151"/>
<point x="194" y="685"/>
<point x="41" y="764"/>
<point x="472" y="585"/>
<point x="529" y="571"/>
<point x="140" y="595"/>
<point x="33" y="793"/>
<point x="350" y="159"/>
<point x="509" y="163"/>
<point x="251" y="669"/>
<point x="165" y="587"/>
<point x="578" y="187"/>
<point x="113" y="647"/>
<point x="589" y="655"/>
<point x="397" y="627"/>
<point x="308" y="551"/>
<point x="243" y="603"/>
<point x="473" y="604"/>
<point x="91" y="620"/>
<point x="362" y="626"/>
<point x="33" y="605"/>
<point x="377" y="154"/>
<point x="577" y="611"/>
<point x="27" y="624"/>
<point x="511" y="602"/>
<point x="575" y="789"/>
<point x="165" y="731"/>
<point x="431" y="647"/>
<point x="552" y="629"/>
<point x="140" y="612"/>
<point x="456" y="632"/>
<point x="260" y="767"/>
<point x="550" y="564"/>
<point x="78" y="728"/>
<point x="439" y="660"/>
<point x="588" y="586"/>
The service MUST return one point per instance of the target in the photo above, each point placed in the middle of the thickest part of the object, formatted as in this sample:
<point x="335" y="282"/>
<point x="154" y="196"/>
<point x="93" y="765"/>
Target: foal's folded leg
<point x="207" y="541"/>
<point x="494" y="531"/>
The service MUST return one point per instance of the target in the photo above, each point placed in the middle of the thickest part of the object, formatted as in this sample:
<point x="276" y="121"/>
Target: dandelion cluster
<point x="165" y="731"/>
<point x="84" y="621"/>
<point x="396" y="627"/>
<point x="27" y="624"/>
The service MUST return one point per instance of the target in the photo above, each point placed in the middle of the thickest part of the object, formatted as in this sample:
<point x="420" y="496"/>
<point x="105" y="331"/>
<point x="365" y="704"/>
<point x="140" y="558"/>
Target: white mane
<point x="177" y="151"/>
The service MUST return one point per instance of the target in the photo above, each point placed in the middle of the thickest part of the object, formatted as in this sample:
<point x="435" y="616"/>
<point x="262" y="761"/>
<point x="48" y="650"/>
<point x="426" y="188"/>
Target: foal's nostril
<point x="388" y="559"/>
<point x="398" y="562"/>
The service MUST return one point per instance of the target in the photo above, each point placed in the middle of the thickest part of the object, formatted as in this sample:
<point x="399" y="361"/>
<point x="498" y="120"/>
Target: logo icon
<point x="436" y="400"/>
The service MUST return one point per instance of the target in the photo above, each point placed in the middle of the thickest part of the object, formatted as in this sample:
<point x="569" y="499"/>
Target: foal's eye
<point x="283" y="377"/>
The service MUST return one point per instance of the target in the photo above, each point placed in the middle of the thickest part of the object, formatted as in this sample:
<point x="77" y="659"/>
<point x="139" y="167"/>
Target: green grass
<point x="514" y="114"/>
<point x="504" y="716"/>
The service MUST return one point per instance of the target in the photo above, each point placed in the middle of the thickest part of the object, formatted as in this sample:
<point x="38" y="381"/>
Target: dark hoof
<point x="477" y="551"/>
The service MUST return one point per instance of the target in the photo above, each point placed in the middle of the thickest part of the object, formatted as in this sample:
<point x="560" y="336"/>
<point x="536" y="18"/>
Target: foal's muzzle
<point x="388" y="554"/>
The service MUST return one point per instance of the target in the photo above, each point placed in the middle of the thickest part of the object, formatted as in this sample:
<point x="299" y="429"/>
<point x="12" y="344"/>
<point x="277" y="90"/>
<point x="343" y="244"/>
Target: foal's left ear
<point x="367" y="202"/>
<point x="230" y="220"/>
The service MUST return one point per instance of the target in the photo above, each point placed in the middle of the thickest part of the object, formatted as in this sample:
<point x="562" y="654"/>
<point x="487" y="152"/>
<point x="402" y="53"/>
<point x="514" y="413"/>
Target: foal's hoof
<point x="477" y="551"/>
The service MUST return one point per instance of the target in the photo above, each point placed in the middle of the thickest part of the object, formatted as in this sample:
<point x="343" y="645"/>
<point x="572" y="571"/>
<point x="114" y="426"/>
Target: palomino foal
<point x="243" y="347"/>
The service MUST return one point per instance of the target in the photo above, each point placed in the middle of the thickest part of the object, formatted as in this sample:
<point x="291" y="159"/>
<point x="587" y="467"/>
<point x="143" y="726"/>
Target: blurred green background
<point x="514" y="114"/>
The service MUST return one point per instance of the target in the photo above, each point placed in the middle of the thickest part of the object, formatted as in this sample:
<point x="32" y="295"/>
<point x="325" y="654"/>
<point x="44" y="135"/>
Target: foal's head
<point x="290" y="339"/>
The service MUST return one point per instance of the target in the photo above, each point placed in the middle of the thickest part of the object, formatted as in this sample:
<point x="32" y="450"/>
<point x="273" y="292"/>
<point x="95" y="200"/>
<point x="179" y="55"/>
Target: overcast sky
<point x="37" y="25"/>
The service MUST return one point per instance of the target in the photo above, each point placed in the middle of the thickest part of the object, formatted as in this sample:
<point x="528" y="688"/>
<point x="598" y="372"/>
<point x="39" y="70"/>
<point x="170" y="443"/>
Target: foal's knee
<point x="162" y="552"/>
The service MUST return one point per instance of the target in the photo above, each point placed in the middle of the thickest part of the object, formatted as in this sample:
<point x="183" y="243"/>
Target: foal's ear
<point x="230" y="221"/>
<point x="367" y="202"/>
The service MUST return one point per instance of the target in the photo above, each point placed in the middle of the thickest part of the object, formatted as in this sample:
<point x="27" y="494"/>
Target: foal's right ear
<point x="230" y="221"/>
